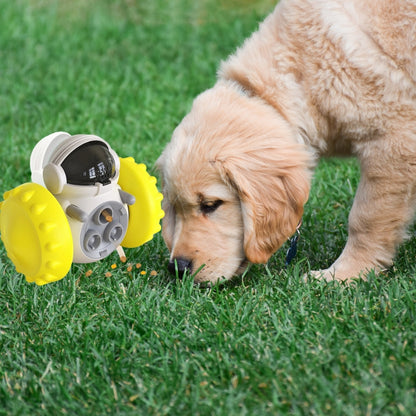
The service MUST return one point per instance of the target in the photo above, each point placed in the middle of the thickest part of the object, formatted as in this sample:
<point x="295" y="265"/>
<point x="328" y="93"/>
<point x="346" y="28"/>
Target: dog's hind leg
<point x="383" y="208"/>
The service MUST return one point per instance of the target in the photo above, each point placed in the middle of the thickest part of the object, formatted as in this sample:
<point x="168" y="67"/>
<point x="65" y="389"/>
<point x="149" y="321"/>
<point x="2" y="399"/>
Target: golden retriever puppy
<point x="319" y="78"/>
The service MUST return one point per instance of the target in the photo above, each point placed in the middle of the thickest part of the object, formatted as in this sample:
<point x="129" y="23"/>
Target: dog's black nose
<point x="180" y="265"/>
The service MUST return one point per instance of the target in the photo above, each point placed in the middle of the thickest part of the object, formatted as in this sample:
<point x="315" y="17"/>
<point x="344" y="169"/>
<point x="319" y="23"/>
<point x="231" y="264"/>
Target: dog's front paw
<point x="326" y="274"/>
<point x="339" y="274"/>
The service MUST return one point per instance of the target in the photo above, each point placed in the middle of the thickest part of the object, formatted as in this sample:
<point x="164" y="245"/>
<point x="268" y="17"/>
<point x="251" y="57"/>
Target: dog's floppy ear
<point x="273" y="185"/>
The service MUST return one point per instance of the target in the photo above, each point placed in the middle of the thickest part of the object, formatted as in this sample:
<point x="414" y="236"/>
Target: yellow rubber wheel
<point x="145" y="214"/>
<point x="36" y="233"/>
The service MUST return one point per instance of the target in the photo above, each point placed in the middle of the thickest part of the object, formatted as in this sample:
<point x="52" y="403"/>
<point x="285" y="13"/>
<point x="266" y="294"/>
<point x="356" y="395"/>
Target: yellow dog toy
<point x="82" y="204"/>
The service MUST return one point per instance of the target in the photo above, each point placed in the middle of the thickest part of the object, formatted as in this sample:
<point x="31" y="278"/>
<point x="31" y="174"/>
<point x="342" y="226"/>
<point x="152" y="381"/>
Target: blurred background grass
<point x="124" y="70"/>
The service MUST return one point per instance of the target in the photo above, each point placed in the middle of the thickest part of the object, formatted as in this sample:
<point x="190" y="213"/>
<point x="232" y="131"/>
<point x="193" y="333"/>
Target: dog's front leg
<point x="382" y="209"/>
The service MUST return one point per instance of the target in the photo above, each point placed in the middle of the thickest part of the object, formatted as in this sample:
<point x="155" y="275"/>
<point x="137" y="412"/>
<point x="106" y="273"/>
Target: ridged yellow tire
<point x="36" y="233"/>
<point x="145" y="214"/>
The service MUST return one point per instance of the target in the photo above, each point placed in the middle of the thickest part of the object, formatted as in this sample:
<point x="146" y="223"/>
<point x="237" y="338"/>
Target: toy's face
<point x="89" y="164"/>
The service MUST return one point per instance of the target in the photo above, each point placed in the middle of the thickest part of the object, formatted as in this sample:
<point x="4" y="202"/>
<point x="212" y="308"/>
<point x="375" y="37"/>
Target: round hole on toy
<point x="114" y="233"/>
<point x="92" y="241"/>
<point x="106" y="216"/>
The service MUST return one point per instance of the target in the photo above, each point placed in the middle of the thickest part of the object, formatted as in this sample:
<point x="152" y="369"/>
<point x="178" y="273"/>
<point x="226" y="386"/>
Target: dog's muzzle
<point x="179" y="266"/>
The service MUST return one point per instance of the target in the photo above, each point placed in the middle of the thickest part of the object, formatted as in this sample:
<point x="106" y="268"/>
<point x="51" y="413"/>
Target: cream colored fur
<point x="319" y="78"/>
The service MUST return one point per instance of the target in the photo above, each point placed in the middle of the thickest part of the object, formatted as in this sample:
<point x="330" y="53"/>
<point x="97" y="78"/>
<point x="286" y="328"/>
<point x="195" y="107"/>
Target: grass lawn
<point x="135" y="343"/>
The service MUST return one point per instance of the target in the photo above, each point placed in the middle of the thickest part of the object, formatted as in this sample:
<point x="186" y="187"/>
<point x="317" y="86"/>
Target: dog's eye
<point x="207" y="207"/>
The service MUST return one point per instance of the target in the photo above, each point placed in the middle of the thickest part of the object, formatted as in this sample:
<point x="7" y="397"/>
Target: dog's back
<point x="339" y="70"/>
<point x="391" y="25"/>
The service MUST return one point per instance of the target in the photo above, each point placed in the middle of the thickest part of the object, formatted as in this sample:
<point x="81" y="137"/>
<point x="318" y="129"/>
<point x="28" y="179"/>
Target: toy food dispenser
<point x="82" y="204"/>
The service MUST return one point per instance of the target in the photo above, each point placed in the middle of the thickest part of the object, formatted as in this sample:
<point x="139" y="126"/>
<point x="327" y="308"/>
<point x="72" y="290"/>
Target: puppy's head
<point x="234" y="181"/>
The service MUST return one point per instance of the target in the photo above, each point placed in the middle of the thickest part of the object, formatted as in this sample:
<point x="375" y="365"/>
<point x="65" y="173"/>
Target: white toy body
<point x="97" y="213"/>
<point x="94" y="236"/>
